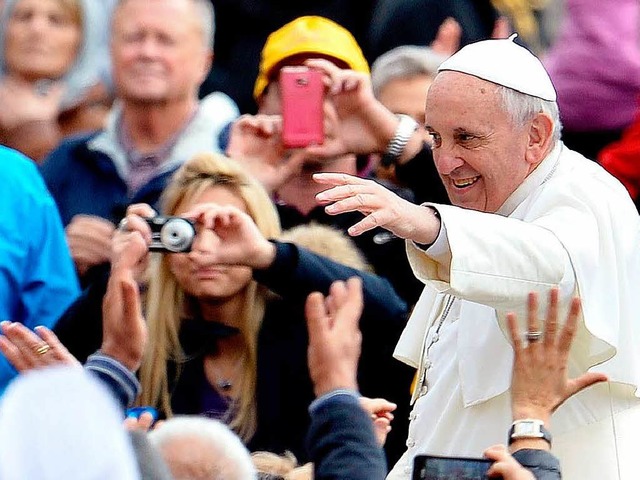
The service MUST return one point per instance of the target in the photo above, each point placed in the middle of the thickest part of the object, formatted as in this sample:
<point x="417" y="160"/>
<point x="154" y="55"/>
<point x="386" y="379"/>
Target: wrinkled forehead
<point x="173" y="12"/>
<point x="464" y="100"/>
<point x="459" y="83"/>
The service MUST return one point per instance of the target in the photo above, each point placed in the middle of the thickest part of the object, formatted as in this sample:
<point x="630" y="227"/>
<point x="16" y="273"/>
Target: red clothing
<point x="622" y="158"/>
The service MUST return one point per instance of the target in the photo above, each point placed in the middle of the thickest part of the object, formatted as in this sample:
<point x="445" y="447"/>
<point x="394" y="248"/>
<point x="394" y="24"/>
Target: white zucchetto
<point x="504" y="62"/>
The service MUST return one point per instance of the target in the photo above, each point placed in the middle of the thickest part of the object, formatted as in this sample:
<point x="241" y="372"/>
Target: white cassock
<point x="571" y="225"/>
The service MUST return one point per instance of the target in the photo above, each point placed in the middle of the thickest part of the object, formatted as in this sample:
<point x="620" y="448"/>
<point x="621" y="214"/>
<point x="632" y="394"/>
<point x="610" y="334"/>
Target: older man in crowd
<point x="161" y="52"/>
<point x="527" y="214"/>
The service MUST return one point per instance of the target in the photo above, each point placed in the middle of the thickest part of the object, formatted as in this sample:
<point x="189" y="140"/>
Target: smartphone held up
<point x="302" y="96"/>
<point x="432" y="467"/>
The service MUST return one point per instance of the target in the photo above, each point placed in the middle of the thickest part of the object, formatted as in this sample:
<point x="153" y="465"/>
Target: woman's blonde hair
<point x="165" y="300"/>
<point x="329" y="242"/>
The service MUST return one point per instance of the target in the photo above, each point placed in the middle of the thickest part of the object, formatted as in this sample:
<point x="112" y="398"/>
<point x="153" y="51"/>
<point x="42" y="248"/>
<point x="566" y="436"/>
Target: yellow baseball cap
<point x="308" y="35"/>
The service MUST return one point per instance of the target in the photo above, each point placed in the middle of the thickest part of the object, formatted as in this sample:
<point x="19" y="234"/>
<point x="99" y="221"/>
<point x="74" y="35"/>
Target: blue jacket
<point x="86" y="181"/>
<point x="85" y="174"/>
<point x="37" y="277"/>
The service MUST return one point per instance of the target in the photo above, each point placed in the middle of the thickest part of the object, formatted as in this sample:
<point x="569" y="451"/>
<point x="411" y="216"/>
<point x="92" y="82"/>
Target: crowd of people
<point x="450" y="272"/>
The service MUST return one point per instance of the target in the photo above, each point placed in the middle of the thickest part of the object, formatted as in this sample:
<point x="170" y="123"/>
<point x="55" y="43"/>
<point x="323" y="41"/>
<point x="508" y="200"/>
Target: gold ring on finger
<point x="42" y="348"/>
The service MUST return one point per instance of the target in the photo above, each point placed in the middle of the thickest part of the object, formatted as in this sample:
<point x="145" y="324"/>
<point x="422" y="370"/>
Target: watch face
<point x="527" y="429"/>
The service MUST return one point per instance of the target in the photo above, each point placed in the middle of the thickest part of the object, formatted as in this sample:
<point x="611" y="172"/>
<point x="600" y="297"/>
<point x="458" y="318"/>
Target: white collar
<point x="537" y="177"/>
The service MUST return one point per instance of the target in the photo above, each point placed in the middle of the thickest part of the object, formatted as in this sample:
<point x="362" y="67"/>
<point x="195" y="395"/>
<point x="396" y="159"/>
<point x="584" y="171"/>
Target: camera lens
<point x="177" y="235"/>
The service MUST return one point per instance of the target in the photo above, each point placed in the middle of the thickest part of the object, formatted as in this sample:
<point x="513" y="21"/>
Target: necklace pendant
<point x="224" y="385"/>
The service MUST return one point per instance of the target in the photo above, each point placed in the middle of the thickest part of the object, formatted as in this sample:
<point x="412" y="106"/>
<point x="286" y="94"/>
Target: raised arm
<point x="539" y="385"/>
<point x="341" y="439"/>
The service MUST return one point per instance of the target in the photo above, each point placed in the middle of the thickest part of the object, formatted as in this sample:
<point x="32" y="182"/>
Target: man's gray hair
<point x="522" y="108"/>
<point x="207" y="17"/>
<point x="225" y="456"/>
<point x="404" y="61"/>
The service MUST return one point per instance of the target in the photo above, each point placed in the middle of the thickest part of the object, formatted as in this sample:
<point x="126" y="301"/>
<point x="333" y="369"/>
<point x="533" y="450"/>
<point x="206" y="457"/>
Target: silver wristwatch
<point x="405" y="129"/>
<point x="528" y="428"/>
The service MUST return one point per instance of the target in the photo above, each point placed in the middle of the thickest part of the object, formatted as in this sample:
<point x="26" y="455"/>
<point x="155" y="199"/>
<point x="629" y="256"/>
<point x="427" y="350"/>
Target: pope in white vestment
<point x="572" y="225"/>
<point x="527" y="215"/>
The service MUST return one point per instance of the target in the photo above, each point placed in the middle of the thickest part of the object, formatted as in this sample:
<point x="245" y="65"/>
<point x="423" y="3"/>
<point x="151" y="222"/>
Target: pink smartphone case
<point x="302" y="93"/>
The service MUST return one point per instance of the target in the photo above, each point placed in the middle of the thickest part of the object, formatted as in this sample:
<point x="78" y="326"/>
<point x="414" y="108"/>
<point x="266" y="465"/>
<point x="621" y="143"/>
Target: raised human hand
<point x="379" y="205"/>
<point x="501" y="28"/>
<point x="228" y="236"/>
<point x="256" y="142"/>
<point x="540" y="382"/>
<point x="380" y="411"/>
<point x="130" y="245"/>
<point x="23" y="103"/>
<point x="89" y="238"/>
<point x="447" y="41"/>
<point x="28" y="350"/>
<point x="124" y="330"/>
<point x="334" y="336"/>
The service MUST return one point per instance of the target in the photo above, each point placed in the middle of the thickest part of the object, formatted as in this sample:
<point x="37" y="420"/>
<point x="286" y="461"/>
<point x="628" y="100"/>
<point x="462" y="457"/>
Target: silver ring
<point x="123" y="225"/>
<point x="533" y="336"/>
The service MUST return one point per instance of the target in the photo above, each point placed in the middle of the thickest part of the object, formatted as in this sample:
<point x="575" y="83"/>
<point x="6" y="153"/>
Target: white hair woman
<point x="54" y="72"/>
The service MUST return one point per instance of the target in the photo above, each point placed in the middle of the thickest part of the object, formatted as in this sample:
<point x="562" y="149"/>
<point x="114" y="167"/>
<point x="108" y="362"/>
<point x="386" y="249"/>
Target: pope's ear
<point x="540" y="138"/>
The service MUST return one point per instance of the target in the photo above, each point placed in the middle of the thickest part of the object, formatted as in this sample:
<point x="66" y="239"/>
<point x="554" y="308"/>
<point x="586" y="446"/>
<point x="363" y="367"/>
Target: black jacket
<point x="543" y="464"/>
<point x="341" y="442"/>
<point x="284" y="389"/>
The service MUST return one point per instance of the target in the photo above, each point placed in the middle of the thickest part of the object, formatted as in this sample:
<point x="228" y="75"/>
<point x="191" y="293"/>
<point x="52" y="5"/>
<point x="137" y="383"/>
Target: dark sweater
<point x="284" y="388"/>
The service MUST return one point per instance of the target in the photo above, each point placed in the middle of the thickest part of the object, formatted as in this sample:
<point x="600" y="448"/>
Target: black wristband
<point x="424" y="246"/>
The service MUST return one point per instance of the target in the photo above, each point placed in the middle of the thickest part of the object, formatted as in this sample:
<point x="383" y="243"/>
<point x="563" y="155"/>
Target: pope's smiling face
<point x="478" y="151"/>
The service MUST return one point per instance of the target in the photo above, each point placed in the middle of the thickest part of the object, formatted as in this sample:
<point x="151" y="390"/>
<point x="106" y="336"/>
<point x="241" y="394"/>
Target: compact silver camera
<point x="171" y="234"/>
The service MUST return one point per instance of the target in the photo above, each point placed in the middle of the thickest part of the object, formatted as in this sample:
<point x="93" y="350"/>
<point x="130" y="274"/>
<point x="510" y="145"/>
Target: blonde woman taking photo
<point x="227" y="332"/>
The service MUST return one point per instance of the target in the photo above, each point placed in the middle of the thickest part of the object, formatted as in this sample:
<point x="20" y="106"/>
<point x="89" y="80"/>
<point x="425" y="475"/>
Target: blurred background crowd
<point x="591" y="54"/>
<point x="110" y="98"/>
